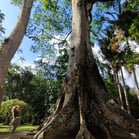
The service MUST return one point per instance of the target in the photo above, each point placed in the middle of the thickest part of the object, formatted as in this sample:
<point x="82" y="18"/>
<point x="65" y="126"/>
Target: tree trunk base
<point x="109" y="123"/>
<point x="132" y="136"/>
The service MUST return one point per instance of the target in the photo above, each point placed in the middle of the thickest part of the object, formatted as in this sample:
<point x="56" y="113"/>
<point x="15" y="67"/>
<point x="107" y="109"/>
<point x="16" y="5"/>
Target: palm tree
<point x="109" y="47"/>
<point x="125" y="92"/>
<point x="121" y="103"/>
<point x="131" y="59"/>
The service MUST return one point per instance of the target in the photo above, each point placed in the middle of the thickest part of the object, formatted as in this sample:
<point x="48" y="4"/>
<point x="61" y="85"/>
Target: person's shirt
<point x="15" y="114"/>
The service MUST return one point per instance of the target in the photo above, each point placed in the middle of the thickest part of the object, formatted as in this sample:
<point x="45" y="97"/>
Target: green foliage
<point x="128" y="21"/>
<point x="1" y="16"/>
<point x="54" y="73"/>
<point x="134" y="30"/>
<point x="124" y="26"/>
<point x="39" y="90"/>
<point x="49" y="4"/>
<point x="133" y="103"/>
<point x="2" y="30"/>
<point x="104" y="15"/>
<point x="131" y="59"/>
<point x="49" y="26"/>
<point x="132" y="5"/>
<point x="61" y="64"/>
<point x="111" y="87"/>
<point x="16" y="2"/>
<point x="5" y="111"/>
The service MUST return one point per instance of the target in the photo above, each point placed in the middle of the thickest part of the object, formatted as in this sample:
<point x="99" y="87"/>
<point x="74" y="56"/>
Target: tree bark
<point x="12" y="43"/>
<point x="119" y="91"/>
<point x="125" y="92"/>
<point x="136" y="84"/>
<point x="84" y="109"/>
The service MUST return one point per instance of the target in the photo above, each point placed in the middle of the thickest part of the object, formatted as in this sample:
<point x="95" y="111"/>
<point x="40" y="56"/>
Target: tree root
<point x="61" y="123"/>
<point x="77" y="120"/>
<point x="83" y="133"/>
<point x="118" y="123"/>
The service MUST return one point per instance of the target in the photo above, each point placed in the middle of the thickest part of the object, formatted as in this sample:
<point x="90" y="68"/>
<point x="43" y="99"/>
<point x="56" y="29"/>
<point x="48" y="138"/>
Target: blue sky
<point x="11" y="15"/>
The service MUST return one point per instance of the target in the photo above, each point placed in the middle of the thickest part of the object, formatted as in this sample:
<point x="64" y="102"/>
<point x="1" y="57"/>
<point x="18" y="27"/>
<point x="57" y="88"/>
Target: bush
<point x="6" y="115"/>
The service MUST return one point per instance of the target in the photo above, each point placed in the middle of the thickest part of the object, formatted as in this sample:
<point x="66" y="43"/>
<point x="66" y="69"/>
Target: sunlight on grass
<point x="6" y="128"/>
<point x="26" y="127"/>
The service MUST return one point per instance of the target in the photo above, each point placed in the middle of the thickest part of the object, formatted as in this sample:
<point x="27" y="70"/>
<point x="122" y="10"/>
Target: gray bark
<point x="84" y="110"/>
<point x="119" y="91"/>
<point x="12" y="43"/>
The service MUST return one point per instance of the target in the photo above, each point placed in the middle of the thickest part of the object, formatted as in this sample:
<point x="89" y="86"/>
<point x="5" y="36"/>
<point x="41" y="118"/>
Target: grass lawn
<point x="6" y="128"/>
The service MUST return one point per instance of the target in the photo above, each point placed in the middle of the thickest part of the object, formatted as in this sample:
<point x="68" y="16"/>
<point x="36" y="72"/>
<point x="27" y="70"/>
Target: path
<point x="17" y="135"/>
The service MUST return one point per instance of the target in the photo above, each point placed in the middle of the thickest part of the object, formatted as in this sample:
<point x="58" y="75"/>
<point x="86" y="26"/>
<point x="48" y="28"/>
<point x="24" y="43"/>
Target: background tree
<point x="49" y="28"/>
<point x="130" y="65"/>
<point x="32" y="88"/>
<point x="12" y="43"/>
<point x="115" y="41"/>
<point x="39" y="86"/>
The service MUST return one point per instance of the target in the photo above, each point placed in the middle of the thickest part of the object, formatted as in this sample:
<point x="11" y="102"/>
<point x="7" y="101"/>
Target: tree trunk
<point x="84" y="109"/>
<point x="136" y="84"/>
<point x="125" y="93"/>
<point x="119" y="91"/>
<point x="12" y="43"/>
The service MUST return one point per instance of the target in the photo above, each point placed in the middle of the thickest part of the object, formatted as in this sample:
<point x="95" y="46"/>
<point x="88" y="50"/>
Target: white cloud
<point x="97" y="53"/>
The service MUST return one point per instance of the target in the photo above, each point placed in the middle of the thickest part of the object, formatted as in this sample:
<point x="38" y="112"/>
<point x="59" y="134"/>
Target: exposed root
<point x="118" y="123"/>
<point x="73" y="121"/>
<point x="84" y="133"/>
<point x="118" y="132"/>
<point x="63" y="123"/>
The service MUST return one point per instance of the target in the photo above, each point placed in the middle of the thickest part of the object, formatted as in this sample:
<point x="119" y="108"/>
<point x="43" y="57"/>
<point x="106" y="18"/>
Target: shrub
<point x="6" y="115"/>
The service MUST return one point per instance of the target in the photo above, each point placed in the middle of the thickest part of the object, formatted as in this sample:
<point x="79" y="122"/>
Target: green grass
<point x="7" y="128"/>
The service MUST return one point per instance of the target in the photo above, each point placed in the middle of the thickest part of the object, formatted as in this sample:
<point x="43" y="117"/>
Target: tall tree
<point x="84" y="109"/>
<point x="12" y="43"/>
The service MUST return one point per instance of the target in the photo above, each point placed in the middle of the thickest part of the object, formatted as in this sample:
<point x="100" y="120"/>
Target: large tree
<point x="12" y="43"/>
<point x="85" y="110"/>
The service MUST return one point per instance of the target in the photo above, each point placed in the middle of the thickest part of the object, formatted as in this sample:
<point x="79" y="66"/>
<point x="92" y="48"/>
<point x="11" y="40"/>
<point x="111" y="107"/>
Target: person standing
<point x="15" y="119"/>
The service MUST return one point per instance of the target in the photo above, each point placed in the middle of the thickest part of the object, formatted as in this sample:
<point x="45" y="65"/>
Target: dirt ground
<point x="24" y="135"/>
<point x="17" y="135"/>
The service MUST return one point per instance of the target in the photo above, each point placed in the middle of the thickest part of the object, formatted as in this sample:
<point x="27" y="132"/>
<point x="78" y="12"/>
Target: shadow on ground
<point x="27" y="135"/>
